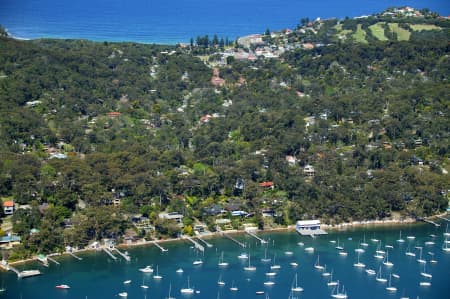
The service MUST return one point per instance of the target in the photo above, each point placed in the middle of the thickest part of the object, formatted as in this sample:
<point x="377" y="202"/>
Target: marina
<point x="316" y="275"/>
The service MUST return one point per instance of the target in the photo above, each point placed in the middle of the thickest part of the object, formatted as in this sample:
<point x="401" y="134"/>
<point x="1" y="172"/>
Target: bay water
<point x="99" y="276"/>
<point x="175" y="21"/>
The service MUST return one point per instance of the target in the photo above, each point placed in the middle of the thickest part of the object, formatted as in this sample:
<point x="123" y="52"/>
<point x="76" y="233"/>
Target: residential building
<point x="9" y="207"/>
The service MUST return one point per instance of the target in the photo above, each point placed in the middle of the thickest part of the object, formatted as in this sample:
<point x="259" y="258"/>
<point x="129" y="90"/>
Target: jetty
<point x="53" y="260"/>
<point x="125" y="256"/>
<point x="233" y="239"/>
<point x="73" y="254"/>
<point x="159" y="246"/>
<point x="7" y="267"/>
<point x="196" y="244"/>
<point x="20" y="274"/>
<point x="109" y="253"/>
<point x="250" y="233"/>
<point x="443" y="218"/>
<point x="429" y="221"/>
<point x="43" y="259"/>
<point x="204" y="242"/>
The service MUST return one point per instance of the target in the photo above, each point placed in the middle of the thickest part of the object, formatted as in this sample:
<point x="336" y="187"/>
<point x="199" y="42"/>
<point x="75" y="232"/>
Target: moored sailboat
<point x="188" y="290"/>
<point x="249" y="267"/>
<point x="222" y="263"/>
<point x="390" y="288"/>
<point x="295" y="287"/>
<point x="317" y="264"/>
<point x="379" y="278"/>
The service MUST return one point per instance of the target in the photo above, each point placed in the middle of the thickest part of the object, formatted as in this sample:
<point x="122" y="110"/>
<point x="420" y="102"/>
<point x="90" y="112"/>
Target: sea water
<point x="175" y="21"/>
<point x="99" y="276"/>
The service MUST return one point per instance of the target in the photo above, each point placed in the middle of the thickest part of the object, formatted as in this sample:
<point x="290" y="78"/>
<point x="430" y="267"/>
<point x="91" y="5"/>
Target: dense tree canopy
<point x="144" y="124"/>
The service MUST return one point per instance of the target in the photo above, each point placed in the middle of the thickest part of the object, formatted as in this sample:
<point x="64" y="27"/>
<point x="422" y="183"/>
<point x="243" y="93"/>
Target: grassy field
<point x="402" y="34"/>
<point x="421" y="27"/>
<point x="378" y="31"/>
<point x="360" y="35"/>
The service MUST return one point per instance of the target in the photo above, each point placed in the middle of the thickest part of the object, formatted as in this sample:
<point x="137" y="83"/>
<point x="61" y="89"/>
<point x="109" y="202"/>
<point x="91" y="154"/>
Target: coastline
<point x="333" y="227"/>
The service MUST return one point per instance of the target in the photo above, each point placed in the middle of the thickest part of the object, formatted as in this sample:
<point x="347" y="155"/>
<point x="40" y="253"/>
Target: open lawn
<point x="360" y="35"/>
<point x="378" y="31"/>
<point x="420" y="27"/>
<point x="402" y="34"/>
<point x="343" y="34"/>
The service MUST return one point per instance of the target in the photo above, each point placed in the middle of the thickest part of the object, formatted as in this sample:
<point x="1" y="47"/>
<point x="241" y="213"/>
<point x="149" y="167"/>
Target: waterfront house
<point x="9" y="207"/>
<point x="309" y="227"/>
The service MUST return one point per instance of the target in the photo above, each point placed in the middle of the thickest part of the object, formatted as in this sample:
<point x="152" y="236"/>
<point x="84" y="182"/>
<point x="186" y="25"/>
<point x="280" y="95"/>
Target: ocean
<point x="175" y="21"/>
<point x="99" y="276"/>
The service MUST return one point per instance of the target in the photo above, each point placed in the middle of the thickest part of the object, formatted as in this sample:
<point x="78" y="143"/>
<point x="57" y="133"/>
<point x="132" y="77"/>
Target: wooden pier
<point x="126" y="257"/>
<point x="159" y="246"/>
<point x="204" y="242"/>
<point x="109" y="253"/>
<point x="233" y="239"/>
<point x="250" y="233"/>
<point x="196" y="244"/>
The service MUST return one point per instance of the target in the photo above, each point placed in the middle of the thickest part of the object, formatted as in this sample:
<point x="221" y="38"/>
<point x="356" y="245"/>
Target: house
<point x="142" y="223"/>
<point x="267" y="185"/>
<point x="308" y="46"/>
<point x="239" y="213"/>
<point x="9" y="241"/>
<point x="114" y="114"/>
<point x="309" y="171"/>
<point x="116" y="202"/>
<point x="268" y="213"/>
<point x="309" y="227"/>
<point x="291" y="160"/>
<point x="58" y="156"/>
<point x="213" y="210"/>
<point x="172" y="216"/>
<point x="205" y="118"/>
<point x="9" y="207"/>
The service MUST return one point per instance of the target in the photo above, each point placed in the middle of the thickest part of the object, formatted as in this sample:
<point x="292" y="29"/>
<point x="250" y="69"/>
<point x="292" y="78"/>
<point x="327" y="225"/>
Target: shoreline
<point x="330" y="227"/>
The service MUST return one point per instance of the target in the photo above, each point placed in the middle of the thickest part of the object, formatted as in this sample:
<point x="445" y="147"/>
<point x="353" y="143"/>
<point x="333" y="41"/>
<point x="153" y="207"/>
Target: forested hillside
<point x="93" y="134"/>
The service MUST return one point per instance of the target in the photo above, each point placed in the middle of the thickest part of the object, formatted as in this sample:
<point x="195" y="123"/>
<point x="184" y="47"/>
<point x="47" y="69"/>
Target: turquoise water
<point x="98" y="276"/>
<point x="178" y="20"/>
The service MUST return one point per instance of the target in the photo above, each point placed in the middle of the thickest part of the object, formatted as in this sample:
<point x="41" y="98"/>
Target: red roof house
<point x="266" y="184"/>
<point x="8" y="207"/>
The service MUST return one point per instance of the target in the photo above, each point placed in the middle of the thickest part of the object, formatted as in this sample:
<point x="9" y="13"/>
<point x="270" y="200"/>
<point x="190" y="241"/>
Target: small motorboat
<point x="62" y="286"/>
